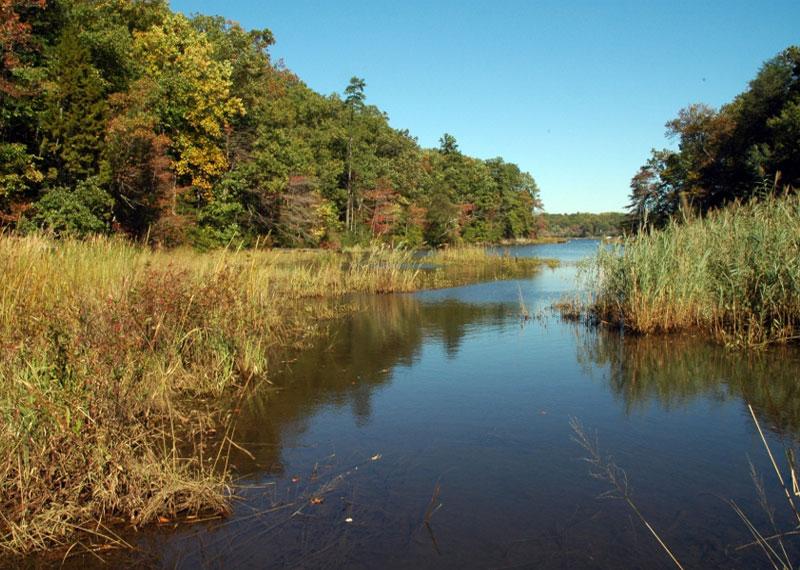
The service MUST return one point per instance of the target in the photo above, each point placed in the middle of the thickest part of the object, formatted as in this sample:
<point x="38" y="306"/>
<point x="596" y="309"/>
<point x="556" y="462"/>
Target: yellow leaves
<point x="200" y="159"/>
<point x="195" y="87"/>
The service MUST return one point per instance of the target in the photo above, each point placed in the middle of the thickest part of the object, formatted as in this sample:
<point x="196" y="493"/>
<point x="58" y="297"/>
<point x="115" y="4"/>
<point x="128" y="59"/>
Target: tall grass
<point x="459" y="265"/>
<point x="116" y="362"/>
<point x="734" y="274"/>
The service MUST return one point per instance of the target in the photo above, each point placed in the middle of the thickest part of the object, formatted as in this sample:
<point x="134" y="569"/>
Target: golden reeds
<point x="116" y="362"/>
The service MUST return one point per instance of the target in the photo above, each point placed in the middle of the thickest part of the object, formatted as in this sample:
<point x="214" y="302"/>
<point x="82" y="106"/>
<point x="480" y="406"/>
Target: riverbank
<point x="118" y="365"/>
<point x="733" y="275"/>
<point x="534" y="241"/>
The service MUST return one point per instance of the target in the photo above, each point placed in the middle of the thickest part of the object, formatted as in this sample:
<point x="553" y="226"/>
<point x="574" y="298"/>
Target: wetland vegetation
<point x="234" y="308"/>
<point x="118" y="363"/>
<point x="733" y="274"/>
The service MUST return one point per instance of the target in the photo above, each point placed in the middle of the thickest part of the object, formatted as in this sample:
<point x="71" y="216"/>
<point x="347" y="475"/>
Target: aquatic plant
<point x="118" y="362"/>
<point x="605" y="469"/>
<point x="734" y="274"/>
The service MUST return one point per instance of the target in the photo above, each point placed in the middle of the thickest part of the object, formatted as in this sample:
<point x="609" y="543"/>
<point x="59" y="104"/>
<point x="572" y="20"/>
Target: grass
<point x="461" y="265"/>
<point x="734" y="275"/>
<point x="772" y="540"/>
<point x="118" y="364"/>
<point x="603" y="468"/>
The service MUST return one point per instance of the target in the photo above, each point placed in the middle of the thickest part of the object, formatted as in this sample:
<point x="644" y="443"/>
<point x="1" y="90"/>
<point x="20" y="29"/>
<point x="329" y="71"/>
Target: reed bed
<point x="460" y="265"/>
<point x="118" y="364"/>
<point x="734" y="274"/>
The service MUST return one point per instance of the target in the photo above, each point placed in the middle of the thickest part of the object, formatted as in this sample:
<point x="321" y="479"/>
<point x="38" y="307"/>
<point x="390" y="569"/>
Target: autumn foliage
<point x="187" y="131"/>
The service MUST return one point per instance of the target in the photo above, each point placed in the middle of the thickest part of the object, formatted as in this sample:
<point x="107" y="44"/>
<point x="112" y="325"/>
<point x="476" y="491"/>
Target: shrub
<point x="79" y="212"/>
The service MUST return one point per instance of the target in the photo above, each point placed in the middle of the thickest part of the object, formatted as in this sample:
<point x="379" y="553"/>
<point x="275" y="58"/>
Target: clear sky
<point x="575" y="92"/>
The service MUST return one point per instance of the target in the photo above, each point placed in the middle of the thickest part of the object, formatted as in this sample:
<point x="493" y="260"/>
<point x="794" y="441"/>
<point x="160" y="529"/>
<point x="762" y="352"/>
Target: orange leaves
<point x="15" y="35"/>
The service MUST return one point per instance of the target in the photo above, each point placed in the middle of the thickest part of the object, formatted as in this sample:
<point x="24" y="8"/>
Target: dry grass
<point x="116" y="363"/>
<point x="734" y="274"/>
<point x="603" y="468"/>
<point x="461" y="265"/>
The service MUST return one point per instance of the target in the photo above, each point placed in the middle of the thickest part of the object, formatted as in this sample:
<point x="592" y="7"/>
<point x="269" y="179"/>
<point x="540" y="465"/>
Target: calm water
<point x="444" y="405"/>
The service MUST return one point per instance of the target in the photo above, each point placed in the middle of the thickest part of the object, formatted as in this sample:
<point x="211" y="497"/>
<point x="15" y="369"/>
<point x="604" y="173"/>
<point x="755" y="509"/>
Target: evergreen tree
<point x="74" y="116"/>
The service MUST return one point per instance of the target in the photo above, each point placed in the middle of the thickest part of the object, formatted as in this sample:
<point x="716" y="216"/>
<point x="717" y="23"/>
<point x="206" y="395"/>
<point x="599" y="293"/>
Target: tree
<point x="193" y="100"/>
<point x="383" y="208"/>
<point x="447" y="144"/>
<point x="354" y="101"/>
<point x="16" y="41"/>
<point x="136" y="163"/>
<point x="747" y="147"/>
<point x="75" y="112"/>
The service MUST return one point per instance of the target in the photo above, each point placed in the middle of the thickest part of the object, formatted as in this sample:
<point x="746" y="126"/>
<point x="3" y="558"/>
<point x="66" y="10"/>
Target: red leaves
<point x="15" y="36"/>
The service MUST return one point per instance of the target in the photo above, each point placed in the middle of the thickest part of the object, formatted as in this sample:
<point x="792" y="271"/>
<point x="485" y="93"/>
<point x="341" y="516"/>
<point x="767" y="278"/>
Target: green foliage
<point x="78" y="212"/>
<point x="18" y="171"/>
<point x="74" y="114"/>
<point x="745" y="148"/>
<point x="583" y="224"/>
<point x="196" y="135"/>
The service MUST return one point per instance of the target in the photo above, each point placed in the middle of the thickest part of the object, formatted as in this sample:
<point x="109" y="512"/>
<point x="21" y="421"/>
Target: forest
<point x="749" y="148"/>
<point x="583" y="224"/>
<point x="120" y="117"/>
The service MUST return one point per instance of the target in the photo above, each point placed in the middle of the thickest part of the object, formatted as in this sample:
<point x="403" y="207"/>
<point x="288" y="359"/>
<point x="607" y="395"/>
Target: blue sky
<point x="576" y="93"/>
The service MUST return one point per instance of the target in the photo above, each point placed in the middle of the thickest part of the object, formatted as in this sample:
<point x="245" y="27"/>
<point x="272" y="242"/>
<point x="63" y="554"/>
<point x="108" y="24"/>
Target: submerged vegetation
<point x="734" y="274"/>
<point x="116" y="362"/>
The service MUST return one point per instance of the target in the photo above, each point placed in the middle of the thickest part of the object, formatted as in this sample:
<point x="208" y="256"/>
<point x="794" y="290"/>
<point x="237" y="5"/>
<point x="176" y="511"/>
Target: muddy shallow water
<point x="433" y="430"/>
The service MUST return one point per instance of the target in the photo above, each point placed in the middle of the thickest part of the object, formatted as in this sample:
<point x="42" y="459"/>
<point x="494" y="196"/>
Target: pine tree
<point x="74" y="119"/>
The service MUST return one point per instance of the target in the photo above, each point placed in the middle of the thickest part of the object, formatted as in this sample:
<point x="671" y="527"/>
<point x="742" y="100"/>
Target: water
<point x="446" y="407"/>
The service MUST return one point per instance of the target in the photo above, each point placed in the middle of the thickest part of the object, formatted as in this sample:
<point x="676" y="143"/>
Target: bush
<point x="79" y="212"/>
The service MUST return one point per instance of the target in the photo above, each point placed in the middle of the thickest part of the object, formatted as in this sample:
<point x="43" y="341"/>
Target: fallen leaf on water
<point x="317" y="500"/>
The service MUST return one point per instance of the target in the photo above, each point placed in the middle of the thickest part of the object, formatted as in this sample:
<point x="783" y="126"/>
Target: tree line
<point x="747" y="149"/>
<point x="124" y="116"/>
<point x="583" y="224"/>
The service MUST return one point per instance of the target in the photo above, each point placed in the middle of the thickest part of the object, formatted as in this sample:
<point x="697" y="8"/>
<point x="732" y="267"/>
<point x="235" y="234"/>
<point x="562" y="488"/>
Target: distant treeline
<point x="748" y="148"/>
<point x="582" y="224"/>
<point x="123" y="116"/>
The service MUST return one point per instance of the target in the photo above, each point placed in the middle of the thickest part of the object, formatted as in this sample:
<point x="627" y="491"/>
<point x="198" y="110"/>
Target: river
<point x="432" y="430"/>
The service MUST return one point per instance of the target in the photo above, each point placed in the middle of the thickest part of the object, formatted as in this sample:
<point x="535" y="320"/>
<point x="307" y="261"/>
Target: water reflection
<point x="342" y="367"/>
<point x="450" y="388"/>
<point x="674" y="371"/>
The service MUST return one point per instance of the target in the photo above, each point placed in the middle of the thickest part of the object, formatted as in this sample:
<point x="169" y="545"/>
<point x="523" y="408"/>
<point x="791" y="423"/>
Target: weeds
<point x="772" y="543"/>
<point x="460" y="265"/>
<point x="604" y="469"/>
<point x="734" y="274"/>
<point x="116" y="362"/>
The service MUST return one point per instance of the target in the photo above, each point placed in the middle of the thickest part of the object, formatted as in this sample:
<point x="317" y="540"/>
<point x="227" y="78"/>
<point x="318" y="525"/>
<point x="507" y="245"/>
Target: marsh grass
<point x="772" y="543"/>
<point x="461" y="265"/>
<point x="118" y="365"/>
<point x="734" y="274"/>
